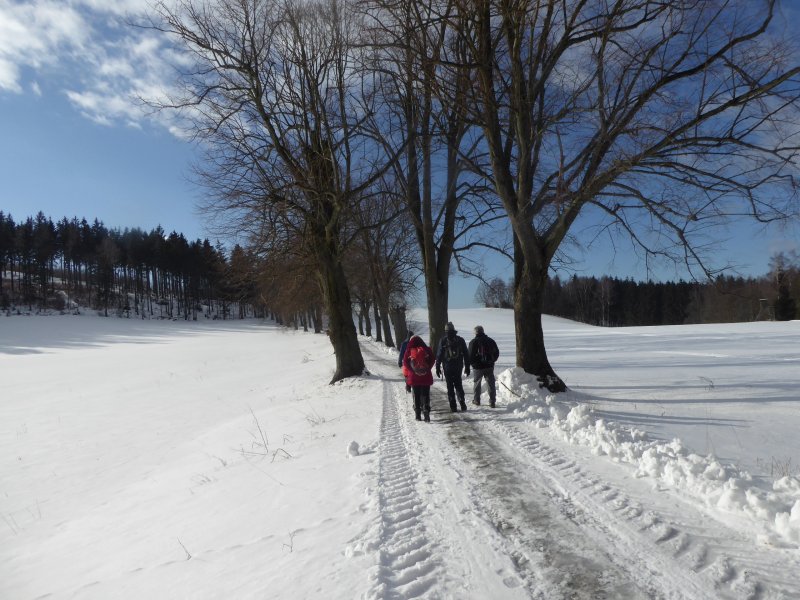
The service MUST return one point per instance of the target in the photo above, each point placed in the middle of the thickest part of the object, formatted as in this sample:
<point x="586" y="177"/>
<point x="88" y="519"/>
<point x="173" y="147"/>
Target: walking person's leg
<point x="492" y="387"/>
<point x="426" y="402"/>
<point x="476" y="386"/>
<point x="451" y="392"/>
<point x="459" y="388"/>
<point x="417" y="402"/>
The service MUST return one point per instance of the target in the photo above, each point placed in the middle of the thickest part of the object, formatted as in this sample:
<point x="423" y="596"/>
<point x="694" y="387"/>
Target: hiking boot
<point x="476" y="402"/>
<point x="491" y="405"/>
<point x="453" y="407"/>
<point x="419" y="416"/>
<point x="463" y="405"/>
<point x="427" y="417"/>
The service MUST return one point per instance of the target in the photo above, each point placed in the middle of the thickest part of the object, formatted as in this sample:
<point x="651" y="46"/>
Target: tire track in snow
<point x="408" y="567"/>
<point x="675" y="538"/>
<point x="552" y="555"/>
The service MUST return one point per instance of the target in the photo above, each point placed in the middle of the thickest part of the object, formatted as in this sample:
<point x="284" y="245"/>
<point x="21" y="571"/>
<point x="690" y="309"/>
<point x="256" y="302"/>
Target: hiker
<point x="452" y="358"/>
<point x="402" y="355"/>
<point x="483" y="353"/>
<point x="418" y="362"/>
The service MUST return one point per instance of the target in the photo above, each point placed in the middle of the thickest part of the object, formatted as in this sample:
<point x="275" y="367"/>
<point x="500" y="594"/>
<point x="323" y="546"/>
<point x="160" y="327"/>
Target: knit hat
<point x="450" y="327"/>
<point x="478" y="329"/>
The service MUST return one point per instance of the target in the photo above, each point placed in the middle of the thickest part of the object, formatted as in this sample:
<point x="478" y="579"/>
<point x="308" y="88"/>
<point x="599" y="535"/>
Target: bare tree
<point x="278" y="93"/>
<point x="385" y="250"/>
<point x="667" y="117"/>
<point x="495" y="293"/>
<point x="426" y="122"/>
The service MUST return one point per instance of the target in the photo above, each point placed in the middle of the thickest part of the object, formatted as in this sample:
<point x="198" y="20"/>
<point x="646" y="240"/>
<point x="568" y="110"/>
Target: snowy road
<point x="515" y="513"/>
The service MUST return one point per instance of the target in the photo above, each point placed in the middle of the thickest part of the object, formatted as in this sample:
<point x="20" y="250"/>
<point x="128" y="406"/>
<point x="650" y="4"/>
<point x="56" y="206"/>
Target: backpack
<point x="420" y="360"/>
<point x="483" y="351"/>
<point x="452" y="350"/>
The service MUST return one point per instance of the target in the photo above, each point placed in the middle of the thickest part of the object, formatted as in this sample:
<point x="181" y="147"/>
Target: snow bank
<point x="721" y="487"/>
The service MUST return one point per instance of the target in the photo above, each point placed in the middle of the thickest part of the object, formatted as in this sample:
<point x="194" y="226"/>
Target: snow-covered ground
<point x="167" y="459"/>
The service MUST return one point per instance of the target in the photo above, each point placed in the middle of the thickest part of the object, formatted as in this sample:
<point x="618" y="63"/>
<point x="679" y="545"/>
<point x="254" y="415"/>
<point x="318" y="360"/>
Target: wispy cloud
<point x="36" y="34"/>
<point x="86" y="50"/>
<point x="117" y="7"/>
<point x="9" y="76"/>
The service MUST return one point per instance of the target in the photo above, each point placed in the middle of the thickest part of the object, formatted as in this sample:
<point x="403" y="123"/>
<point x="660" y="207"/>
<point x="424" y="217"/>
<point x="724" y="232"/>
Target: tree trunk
<point x="529" y="286"/>
<point x="367" y="320"/>
<point x="316" y="316"/>
<point x="437" y="293"/>
<point x="378" y="337"/>
<point x="400" y="323"/>
<point x="387" y="327"/>
<point x="342" y="330"/>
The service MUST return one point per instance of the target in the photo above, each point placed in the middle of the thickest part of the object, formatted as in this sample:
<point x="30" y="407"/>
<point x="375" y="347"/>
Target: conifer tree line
<point x="613" y="302"/>
<point x="131" y="272"/>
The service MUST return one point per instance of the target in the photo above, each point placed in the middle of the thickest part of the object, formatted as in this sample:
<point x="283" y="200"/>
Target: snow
<point x="704" y="478"/>
<point x="211" y="459"/>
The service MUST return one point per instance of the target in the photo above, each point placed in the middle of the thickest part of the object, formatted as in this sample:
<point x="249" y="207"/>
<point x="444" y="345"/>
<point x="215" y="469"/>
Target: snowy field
<point x="157" y="459"/>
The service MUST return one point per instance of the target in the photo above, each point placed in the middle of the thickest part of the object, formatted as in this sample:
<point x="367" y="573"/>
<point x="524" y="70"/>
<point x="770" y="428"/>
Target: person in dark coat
<point x="419" y="361"/>
<point x="402" y="355"/>
<point x="452" y="359"/>
<point x="483" y="353"/>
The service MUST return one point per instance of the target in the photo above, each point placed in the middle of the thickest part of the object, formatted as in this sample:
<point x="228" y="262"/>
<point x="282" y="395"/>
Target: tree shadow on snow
<point x="20" y="335"/>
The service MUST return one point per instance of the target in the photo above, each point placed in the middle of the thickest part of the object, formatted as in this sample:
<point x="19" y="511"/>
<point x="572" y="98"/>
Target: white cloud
<point x="116" y="7"/>
<point x="9" y="76"/>
<point x="86" y="49"/>
<point x="104" y="106"/>
<point x="37" y="34"/>
<point x="60" y="25"/>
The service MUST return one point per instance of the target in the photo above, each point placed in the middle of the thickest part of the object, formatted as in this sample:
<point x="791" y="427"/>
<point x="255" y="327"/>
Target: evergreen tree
<point x="785" y="308"/>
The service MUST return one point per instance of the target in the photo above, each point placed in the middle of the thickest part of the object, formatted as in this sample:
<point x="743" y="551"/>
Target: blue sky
<point x="75" y="142"/>
<point x="55" y="160"/>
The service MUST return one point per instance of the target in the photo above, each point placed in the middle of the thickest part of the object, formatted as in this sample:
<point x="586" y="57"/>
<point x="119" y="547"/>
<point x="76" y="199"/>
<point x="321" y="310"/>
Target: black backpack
<point x="452" y="350"/>
<point x="482" y="351"/>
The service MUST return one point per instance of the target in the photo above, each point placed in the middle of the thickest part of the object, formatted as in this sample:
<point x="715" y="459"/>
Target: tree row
<point x="520" y="128"/>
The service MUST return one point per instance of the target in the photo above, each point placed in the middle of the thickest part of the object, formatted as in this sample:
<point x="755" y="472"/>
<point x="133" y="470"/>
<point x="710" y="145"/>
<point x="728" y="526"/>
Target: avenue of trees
<point x="327" y="120"/>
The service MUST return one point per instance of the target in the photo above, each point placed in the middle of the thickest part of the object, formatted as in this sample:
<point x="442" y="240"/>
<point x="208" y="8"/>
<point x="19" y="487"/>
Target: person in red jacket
<point x="418" y="361"/>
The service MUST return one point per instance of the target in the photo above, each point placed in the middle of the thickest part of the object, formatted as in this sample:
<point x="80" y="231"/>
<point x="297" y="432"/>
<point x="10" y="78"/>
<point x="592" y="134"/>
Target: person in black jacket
<point x="452" y="358"/>
<point x="402" y="355"/>
<point x="403" y="347"/>
<point x="483" y="353"/>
